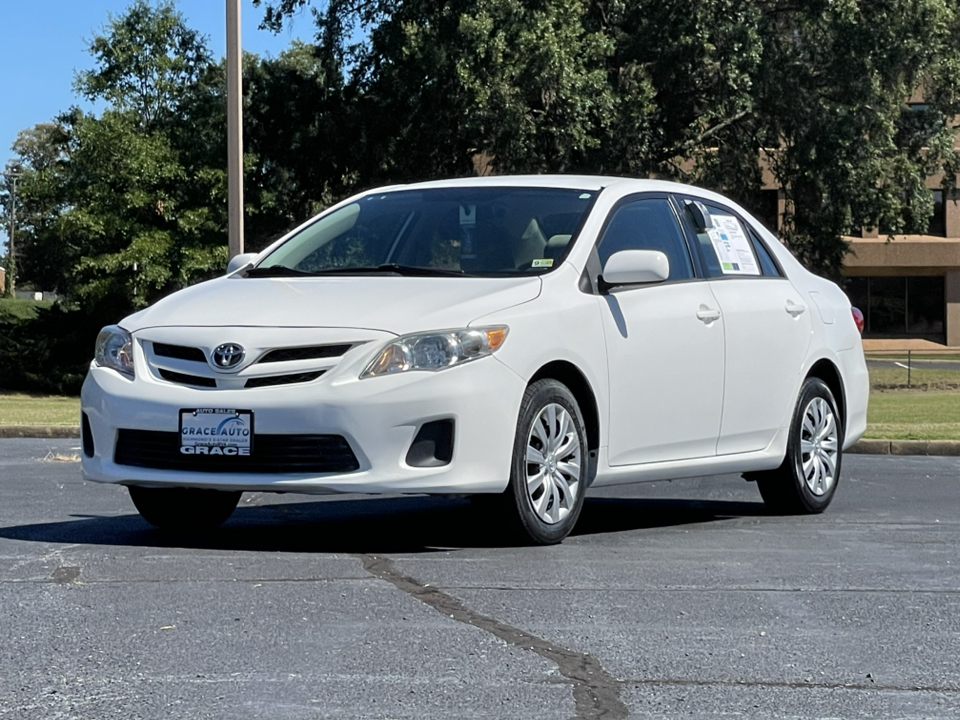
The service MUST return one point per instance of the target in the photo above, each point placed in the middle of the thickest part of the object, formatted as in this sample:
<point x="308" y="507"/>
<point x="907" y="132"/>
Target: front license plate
<point x="216" y="431"/>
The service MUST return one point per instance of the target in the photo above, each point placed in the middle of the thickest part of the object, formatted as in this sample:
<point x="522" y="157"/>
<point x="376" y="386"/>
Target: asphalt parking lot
<point x="671" y="600"/>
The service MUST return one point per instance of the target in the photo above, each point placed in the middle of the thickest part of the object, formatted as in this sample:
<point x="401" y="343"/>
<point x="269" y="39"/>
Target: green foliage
<point x="147" y="61"/>
<point x="696" y="90"/>
<point x="123" y="207"/>
<point x="832" y="91"/>
<point x="120" y="209"/>
<point x="15" y="309"/>
<point x="536" y="85"/>
<point x="50" y="351"/>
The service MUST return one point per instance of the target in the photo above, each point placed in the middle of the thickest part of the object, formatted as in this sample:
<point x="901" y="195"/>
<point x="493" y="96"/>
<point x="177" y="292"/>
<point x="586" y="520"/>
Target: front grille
<point x="272" y="380"/>
<point x="180" y="352"/>
<point x="184" y="379"/>
<point x="304" y="353"/>
<point x="270" y="454"/>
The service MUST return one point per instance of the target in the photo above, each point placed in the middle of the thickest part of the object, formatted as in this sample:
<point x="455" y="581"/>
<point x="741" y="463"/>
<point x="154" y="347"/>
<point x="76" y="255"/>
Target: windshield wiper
<point x="276" y="271"/>
<point x="388" y="268"/>
<point x="405" y="270"/>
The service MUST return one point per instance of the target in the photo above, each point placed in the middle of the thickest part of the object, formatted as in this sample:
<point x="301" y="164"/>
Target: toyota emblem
<point x="227" y="355"/>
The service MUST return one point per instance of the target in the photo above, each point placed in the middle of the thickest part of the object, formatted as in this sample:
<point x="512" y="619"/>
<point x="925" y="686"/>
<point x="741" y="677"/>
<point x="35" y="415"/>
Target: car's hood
<point x="394" y="304"/>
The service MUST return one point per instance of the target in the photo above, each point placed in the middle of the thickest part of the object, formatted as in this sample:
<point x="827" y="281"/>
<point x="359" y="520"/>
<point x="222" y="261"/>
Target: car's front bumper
<point x="378" y="417"/>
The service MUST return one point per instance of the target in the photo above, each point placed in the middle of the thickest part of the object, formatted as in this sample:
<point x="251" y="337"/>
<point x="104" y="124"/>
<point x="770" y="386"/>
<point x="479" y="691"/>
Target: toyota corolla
<point x="520" y="338"/>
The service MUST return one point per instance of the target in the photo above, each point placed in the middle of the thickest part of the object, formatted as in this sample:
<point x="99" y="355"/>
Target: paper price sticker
<point x="732" y="246"/>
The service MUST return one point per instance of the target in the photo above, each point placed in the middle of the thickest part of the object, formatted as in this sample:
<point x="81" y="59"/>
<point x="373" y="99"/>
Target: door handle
<point x="708" y="315"/>
<point x="794" y="309"/>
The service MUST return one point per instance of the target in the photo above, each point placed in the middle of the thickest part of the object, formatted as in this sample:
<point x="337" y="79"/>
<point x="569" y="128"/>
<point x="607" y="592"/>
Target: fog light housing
<point x="433" y="445"/>
<point x="86" y="435"/>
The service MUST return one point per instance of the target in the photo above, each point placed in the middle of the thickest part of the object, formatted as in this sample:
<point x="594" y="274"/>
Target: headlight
<point x="436" y="350"/>
<point x="115" y="350"/>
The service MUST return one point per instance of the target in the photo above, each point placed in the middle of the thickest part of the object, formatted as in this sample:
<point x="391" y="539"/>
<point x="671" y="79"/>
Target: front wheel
<point x="806" y="481"/>
<point x="184" y="510"/>
<point x="548" y="475"/>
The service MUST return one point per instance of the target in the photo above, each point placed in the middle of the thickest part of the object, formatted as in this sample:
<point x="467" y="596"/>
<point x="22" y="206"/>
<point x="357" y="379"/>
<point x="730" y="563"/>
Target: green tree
<point x="42" y="253"/>
<point x="832" y="92"/>
<point x="696" y="90"/>
<point x="123" y="207"/>
<point x="301" y="139"/>
<point x="146" y="62"/>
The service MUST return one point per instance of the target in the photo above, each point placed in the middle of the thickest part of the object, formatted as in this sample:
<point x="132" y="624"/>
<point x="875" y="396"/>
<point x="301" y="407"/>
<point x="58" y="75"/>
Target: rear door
<point x="767" y="328"/>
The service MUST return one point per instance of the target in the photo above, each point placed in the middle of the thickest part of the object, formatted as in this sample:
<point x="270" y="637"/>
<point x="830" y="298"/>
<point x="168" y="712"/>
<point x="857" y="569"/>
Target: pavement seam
<point x="596" y="693"/>
<point x="795" y="685"/>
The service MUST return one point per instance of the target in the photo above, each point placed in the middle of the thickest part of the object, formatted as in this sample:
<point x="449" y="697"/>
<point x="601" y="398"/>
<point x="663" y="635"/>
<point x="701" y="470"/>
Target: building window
<point x="769" y="210"/>
<point x="926" y="306"/>
<point x="938" y="222"/>
<point x="900" y="306"/>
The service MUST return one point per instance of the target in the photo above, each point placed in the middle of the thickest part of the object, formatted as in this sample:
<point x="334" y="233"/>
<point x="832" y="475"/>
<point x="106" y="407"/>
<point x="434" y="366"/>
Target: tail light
<point x="858" y="318"/>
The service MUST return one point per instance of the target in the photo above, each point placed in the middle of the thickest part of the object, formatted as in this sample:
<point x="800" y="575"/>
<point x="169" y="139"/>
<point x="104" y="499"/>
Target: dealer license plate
<point x="216" y="431"/>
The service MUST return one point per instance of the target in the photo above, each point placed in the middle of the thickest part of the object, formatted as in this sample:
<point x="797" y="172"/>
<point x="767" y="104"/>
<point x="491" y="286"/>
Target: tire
<point x="184" y="510"/>
<point x="807" y="480"/>
<point x="549" y="468"/>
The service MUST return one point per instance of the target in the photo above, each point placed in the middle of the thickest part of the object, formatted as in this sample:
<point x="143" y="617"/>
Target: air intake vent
<point x="271" y="454"/>
<point x="283" y="379"/>
<point x="305" y="353"/>
<point x="184" y="379"/>
<point x="179" y="352"/>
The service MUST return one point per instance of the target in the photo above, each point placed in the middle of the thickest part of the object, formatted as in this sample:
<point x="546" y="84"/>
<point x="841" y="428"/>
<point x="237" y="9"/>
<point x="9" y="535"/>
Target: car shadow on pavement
<point x="374" y="525"/>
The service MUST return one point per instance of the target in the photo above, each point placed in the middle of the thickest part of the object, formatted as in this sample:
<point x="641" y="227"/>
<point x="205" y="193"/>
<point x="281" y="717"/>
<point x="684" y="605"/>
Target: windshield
<point x="449" y="231"/>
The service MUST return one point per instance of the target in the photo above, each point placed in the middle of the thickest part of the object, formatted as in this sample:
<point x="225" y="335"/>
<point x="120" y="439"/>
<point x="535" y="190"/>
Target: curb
<point x="907" y="447"/>
<point x="864" y="447"/>
<point x="39" y="431"/>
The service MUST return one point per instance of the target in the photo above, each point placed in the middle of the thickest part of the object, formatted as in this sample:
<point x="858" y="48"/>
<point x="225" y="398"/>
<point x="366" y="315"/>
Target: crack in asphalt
<point x="596" y="693"/>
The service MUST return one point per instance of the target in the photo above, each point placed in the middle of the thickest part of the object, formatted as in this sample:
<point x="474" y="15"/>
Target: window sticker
<point x="543" y="263"/>
<point x="732" y="246"/>
<point x="468" y="232"/>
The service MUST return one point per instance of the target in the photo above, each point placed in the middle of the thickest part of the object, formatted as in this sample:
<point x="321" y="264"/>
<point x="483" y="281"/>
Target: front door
<point x="665" y="346"/>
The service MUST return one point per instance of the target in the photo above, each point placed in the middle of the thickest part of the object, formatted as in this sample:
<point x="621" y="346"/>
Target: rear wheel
<point x="806" y="481"/>
<point x="184" y="510"/>
<point x="548" y="476"/>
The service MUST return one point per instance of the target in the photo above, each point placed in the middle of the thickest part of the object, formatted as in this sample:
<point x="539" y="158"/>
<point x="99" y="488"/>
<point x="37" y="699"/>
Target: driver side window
<point x="647" y="224"/>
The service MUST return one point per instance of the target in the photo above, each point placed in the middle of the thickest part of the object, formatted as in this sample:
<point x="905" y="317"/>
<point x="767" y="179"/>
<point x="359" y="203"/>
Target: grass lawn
<point x="914" y="415"/>
<point x="20" y="409"/>
<point x="17" y="309"/>
<point x="893" y="414"/>
<point x="946" y="376"/>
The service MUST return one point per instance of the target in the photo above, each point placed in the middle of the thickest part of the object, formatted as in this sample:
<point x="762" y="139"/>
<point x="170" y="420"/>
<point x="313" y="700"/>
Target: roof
<point x="572" y="182"/>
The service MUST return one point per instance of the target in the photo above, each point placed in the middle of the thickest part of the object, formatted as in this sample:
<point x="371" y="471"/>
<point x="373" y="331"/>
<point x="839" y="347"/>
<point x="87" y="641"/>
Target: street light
<point x="234" y="130"/>
<point x="12" y="174"/>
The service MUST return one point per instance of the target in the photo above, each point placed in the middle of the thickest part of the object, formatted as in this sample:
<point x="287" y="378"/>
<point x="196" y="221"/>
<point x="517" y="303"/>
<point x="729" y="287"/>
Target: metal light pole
<point x="234" y="129"/>
<point x="12" y="174"/>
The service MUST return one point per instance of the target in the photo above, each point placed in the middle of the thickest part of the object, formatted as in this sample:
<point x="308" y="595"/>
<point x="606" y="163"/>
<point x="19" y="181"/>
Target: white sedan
<point x="523" y="338"/>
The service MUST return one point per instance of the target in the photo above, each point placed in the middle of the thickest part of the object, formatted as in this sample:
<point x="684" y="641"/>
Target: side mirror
<point x="239" y="261"/>
<point x="634" y="267"/>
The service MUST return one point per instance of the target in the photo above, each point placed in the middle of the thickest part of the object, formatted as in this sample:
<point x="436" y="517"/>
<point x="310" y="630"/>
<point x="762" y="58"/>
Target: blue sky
<point x="43" y="44"/>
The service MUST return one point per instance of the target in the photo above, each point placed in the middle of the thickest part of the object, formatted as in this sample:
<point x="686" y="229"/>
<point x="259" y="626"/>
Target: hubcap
<point x="819" y="446"/>
<point x="553" y="464"/>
